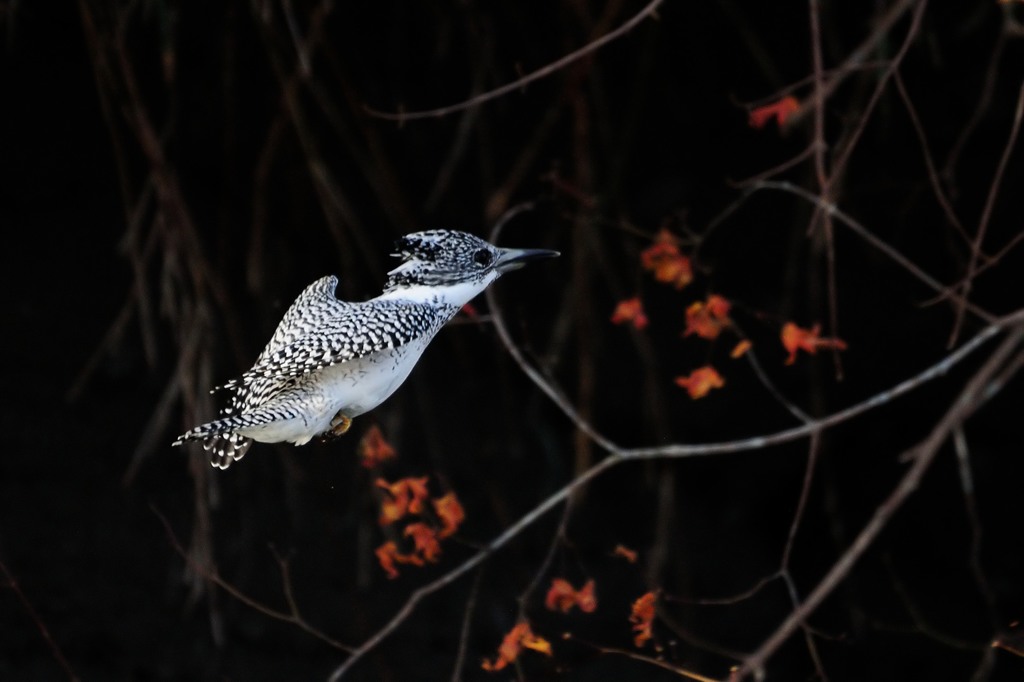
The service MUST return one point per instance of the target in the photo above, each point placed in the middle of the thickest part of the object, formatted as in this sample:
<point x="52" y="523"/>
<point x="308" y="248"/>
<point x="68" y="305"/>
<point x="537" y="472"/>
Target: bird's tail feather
<point x="219" y="438"/>
<point x="225" y="448"/>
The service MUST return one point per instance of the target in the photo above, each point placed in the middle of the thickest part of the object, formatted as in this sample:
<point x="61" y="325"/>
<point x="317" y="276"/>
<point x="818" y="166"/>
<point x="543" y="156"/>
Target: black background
<point x="283" y="179"/>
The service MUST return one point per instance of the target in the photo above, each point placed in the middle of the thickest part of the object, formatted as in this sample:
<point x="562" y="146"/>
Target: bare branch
<point x="292" y="616"/>
<point x="923" y="455"/>
<point x="855" y="59"/>
<point x="619" y="455"/>
<point x="542" y="72"/>
<point x="865" y="234"/>
<point x="55" y="651"/>
<point x="986" y="215"/>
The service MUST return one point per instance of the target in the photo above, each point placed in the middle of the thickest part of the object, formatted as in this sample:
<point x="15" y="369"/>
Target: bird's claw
<point x="339" y="425"/>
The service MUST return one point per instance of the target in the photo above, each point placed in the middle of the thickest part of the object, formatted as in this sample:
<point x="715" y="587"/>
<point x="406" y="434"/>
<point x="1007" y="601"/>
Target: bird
<point x="329" y="360"/>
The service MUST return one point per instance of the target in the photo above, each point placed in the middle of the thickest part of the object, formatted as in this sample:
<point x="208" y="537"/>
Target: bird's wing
<point x="312" y="309"/>
<point x="351" y="332"/>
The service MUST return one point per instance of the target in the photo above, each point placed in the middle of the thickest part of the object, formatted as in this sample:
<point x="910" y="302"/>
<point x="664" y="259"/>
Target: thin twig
<point x="963" y="459"/>
<point x="813" y="448"/>
<point x="729" y="600"/>
<point x="796" y="433"/>
<point x="855" y="59"/>
<point x="920" y="621"/>
<point x="58" y="655"/>
<point x="869" y="237"/>
<point x="657" y="662"/>
<point x="986" y="215"/>
<point x="826" y="184"/>
<point x="983" y="101"/>
<point x="619" y="455"/>
<point x="891" y="71"/>
<point x="302" y="47"/>
<point x="923" y="455"/>
<point x="292" y="616"/>
<point x="467" y="620"/>
<point x="542" y="72"/>
<point x="549" y="559"/>
<point x="992" y="261"/>
<point x="929" y="163"/>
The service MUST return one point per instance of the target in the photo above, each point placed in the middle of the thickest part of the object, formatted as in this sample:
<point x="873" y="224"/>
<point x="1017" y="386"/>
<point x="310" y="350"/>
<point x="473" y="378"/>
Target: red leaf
<point x="666" y="261"/>
<point x="518" y="638"/>
<point x="701" y="381"/>
<point x="625" y="552"/>
<point x="795" y="339"/>
<point x="780" y="110"/>
<point x="641" y="617"/>
<point x="418" y="491"/>
<point x="450" y="511"/>
<point x="373" y="448"/>
<point x="707" y="320"/>
<point x="405" y="496"/>
<point x="425" y="540"/>
<point x="388" y="555"/>
<point x="630" y="310"/>
<point x="562" y="596"/>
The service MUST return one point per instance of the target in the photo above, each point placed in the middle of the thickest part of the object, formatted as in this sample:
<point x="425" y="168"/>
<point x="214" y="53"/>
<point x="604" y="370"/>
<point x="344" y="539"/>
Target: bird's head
<point x="446" y="258"/>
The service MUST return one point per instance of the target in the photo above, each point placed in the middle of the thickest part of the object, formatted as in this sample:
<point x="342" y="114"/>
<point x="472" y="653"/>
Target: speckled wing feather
<point x="352" y="332"/>
<point x="312" y="308"/>
<point x="317" y="331"/>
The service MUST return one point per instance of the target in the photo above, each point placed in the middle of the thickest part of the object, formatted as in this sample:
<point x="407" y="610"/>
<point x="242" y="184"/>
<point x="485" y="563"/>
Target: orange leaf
<point x="508" y="651"/>
<point x="535" y="642"/>
<point x="740" y="348"/>
<point x="630" y="310"/>
<point x="450" y="511"/>
<point x="562" y="596"/>
<point x="719" y="306"/>
<point x="677" y="272"/>
<point x="388" y="555"/>
<point x="425" y="540"/>
<point x="780" y="110"/>
<point x="701" y="381"/>
<point x="373" y="448"/>
<point x="666" y="261"/>
<point x="585" y="597"/>
<point x="418" y="489"/>
<point x="396" y="505"/>
<point x="406" y="496"/>
<point x="641" y="617"/>
<point x="707" y="320"/>
<point x="625" y="552"/>
<point x="517" y="638"/>
<point x="795" y="339"/>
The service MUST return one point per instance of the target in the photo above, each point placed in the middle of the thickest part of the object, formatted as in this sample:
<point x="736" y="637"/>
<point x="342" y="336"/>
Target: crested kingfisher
<point x="330" y="360"/>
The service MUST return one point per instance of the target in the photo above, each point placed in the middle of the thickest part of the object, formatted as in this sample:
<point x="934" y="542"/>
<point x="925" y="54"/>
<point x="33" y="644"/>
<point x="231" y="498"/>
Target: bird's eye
<point x="483" y="257"/>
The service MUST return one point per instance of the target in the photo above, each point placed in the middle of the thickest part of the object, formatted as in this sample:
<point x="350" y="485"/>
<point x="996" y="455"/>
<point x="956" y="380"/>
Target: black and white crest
<point x="440" y="257"/>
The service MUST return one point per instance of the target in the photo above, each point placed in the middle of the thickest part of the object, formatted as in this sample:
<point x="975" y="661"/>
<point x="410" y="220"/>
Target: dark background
<point x="171" y="177"/>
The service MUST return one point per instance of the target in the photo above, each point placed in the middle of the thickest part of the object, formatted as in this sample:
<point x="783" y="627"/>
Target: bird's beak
<point x="513" y="259"/>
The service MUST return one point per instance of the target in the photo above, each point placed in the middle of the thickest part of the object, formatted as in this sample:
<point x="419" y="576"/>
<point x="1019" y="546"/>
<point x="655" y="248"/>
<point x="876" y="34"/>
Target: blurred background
<point x="173" y="174"/>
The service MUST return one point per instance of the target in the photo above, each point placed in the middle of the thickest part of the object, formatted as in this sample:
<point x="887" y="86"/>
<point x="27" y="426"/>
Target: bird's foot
<point x="339" y="425"/>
